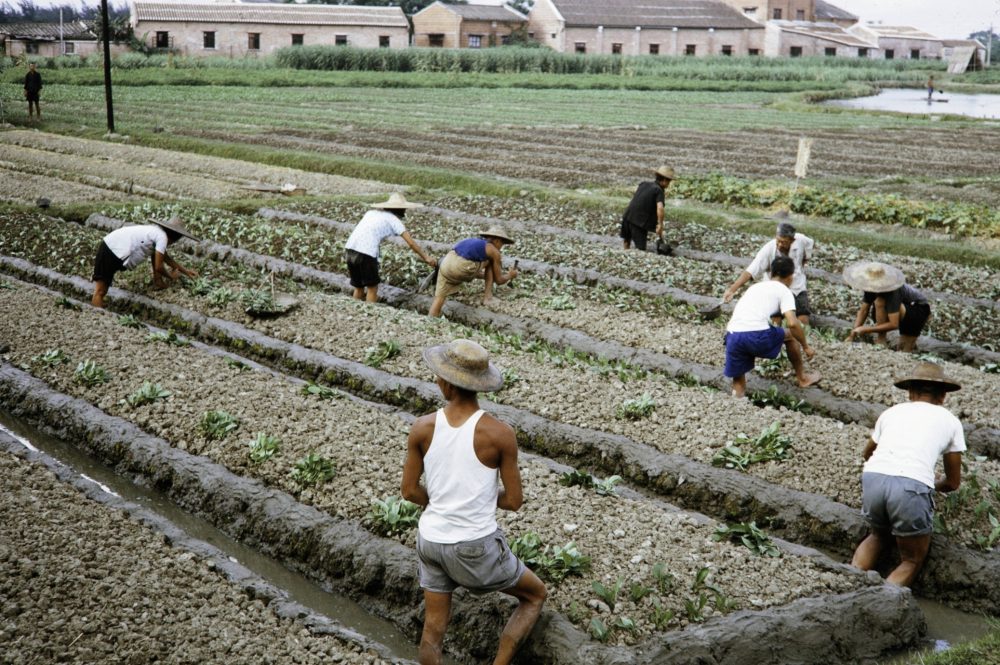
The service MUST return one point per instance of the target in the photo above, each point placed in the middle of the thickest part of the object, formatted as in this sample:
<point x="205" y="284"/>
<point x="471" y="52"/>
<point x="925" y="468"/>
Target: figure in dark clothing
<point x="32" y="89"/>
<point x="645" y="210"/>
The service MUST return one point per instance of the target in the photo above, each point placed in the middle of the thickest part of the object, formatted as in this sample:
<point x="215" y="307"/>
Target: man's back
<point x="641" y="210"/>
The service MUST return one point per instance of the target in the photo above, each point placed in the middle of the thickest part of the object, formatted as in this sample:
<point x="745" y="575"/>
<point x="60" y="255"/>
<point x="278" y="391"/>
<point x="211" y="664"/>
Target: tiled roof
<point x="899" y="32"/>
<point x="962" y="42"/>
<point x="827" y="12"/>
<point x="652" y="14"/>
<point x="75" y="30"/>
<point x="487" y="13"/>
<point x="831" y="32"/>
<point x="286" y="14"/>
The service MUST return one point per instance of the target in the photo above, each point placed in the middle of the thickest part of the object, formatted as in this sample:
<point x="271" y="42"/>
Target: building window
<point x="890" y="54"/>
<point x="504" y="40"/>
<point x="616" y="48"/>
<point x="830" y="51"/>
<point x="69" y="48"/>
<point x="31" y="48"/>
<point x="862" y="53"/>
<point x="914" y="54"/>
<point x="162" y="39"/>
<point x="475" y="41"/>
<point x="552" y="35"/>
<point x="690" y="49"/>
<point x="750" y="11"/>
<point x="727" y="49"/>
<point x="795" y="51"/>
<point x="800" y="14"/>
<point x="654" y="49"/>
<point x="580" y="47"/>
<point x="436" y="40"/>
<point x="777" y="15"/>
<point x="753" y="51"/>
<point x="383" y="41"/>
<point x="340" y="40"/>
<point x="298" y="39"/>
<point x="208" y="39"/>
<point x="253" y="41"/>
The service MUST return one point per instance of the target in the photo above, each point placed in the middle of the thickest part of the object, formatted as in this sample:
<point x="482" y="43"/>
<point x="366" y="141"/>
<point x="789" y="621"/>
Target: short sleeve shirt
<point x="754" y="310"/>
<point x="904" y="294"/>
<point x="641" y="209"/>
<point x="911" y="437"/>
<point x="373" y="228"/>
<point x="135" y="244"/>
<point x="800" y="252"/>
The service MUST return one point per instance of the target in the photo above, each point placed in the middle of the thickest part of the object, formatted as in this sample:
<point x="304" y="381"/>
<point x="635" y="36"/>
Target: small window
<point x="776" y="15"/>
<point x="750" y="11"/>
<point x="31" y="48"/>
<point x="436" y="40"/>
<point x="795" y="51"/>
<point x="914" y="54"/>
<point x="552" y="35"/>
<point x="531" y="35"/>
<point x="580" y="47"/>
<point x="753" y="51"/>
<point x="890" y="54"/>
<point x="690" y="49"/>
<point x="727" y="49"/>
<point x="616" y="48"/>
<point x="504" y="40"/>
<point x="830" y="51"/>
<point x="475" y="41"/>
<point x="800" y="14"/>
<point x="862" y="53"/>
<point x="253" y="41"/>
<point x="298" y="39"/>
<point x="69" y="48"/>
<point x="383" y="41"/>
<point x="654" y="49"/>
<point x="341" y="40"/>
<point x="162" y="39"/>
<point x="208" y="39"/>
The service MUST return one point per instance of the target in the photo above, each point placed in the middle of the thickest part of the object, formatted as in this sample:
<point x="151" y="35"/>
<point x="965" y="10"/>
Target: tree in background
<point x="26" y="11"/>
<point x="983" y="36"/>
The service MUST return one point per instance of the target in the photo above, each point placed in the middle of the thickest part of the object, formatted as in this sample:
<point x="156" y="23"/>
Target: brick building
<point x="465" y="26"/>
<point x="46" y="39"/>
<point x="900" y="42"/>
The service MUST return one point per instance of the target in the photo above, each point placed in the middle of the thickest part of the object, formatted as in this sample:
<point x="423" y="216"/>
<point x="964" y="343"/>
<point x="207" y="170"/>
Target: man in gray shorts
<point x="898" y="480"/>
<point x="465" y="455"/>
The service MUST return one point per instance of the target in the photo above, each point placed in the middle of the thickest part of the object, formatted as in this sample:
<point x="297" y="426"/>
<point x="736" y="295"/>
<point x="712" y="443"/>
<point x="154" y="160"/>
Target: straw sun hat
<point x="397" y="202"/>
<point x="176" y="225"/>
<point x="666" y="172"/>
<point x="465" y="364"/>
<point x="873" y="277"/>
<point x="928" y="374"/>
<point x="497" y="232"/>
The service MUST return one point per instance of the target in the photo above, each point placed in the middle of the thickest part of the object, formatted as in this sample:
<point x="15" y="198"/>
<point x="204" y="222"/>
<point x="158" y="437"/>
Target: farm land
<point x="644" y="511"/>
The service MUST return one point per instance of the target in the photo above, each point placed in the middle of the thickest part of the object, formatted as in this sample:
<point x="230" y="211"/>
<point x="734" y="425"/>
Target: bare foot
<point x="809" y="379"/>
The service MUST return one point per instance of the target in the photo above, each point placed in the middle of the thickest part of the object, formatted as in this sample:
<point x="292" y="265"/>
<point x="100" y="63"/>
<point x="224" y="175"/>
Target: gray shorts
<point x="481" y="566"/>
<point x="901" y="505"/>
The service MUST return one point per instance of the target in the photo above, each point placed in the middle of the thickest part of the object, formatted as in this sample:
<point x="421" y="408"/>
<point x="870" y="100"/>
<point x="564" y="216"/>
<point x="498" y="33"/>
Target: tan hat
<point x="176" y="225"/>
<point x="666" y="172"/>
<point x="930" y="375"/>
<point x="497" y="232"/>
<point x="396" y="202"/>
<point x="873" y="276"/>
<point x="465" y="364"/>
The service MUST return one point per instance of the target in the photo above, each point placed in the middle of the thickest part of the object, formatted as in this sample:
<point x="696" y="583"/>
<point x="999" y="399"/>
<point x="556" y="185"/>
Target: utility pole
<point x="106" y="35"/>
<point x="62" y="41"/>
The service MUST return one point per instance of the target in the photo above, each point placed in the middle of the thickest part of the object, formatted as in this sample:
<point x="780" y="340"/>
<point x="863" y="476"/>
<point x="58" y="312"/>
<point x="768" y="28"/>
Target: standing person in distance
<point x="468" y="460"/>
<point x="363" y="247"/>
<point x="33" y="90"/>
<point x="891" y="302"/>
<point x="645" y="210"/>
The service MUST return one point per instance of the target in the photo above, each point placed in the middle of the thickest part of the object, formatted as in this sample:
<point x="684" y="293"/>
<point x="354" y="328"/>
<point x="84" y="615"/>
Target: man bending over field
<point x="473" y="258"/>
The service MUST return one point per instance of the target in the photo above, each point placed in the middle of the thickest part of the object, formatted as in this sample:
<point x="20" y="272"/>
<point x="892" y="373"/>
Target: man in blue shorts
<point x="898" y="480"/>
<point x="750" y="335"/>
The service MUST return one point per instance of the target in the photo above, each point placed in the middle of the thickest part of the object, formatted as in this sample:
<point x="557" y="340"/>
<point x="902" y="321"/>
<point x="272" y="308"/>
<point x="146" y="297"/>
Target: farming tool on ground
<point x="264" y="302"/>
<point x="430" y="279"/>
<point x="711" y="312"/>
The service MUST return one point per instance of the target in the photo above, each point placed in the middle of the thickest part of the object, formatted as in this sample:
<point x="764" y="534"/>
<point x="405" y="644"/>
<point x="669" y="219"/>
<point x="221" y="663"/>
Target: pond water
<point x="909" y="100"/>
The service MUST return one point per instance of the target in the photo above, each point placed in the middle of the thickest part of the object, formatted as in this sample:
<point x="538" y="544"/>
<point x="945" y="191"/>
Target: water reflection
<point x="909" y="100"/>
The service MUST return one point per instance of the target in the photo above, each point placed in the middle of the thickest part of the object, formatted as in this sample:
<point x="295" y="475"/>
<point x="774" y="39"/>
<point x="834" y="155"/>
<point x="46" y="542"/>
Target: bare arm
<point x="798" y="332"/>
<point x="511" y="496"/>
<point x="952" y="478"/>
<point x="859" y="320"/>
<point x="891" y="324"/>
<point x="413" y="466"/>
<point x="429" y="260"/>
<point x="736" y="286"/>
<point x="494" y="272"/>
<point x="659" y="219"/>
<point x="869" y="449"/>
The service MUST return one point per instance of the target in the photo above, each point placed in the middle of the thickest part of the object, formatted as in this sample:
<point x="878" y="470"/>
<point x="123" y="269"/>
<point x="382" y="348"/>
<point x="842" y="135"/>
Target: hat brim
<point x="394" y="205"/>
<point x="665" y="176"/>
<point x="509" y="241"/>
<point x="855" y="277"/>
<point x="915" y="382"/>
<point x="486" y="382"/>
<point x="170" y="227"/>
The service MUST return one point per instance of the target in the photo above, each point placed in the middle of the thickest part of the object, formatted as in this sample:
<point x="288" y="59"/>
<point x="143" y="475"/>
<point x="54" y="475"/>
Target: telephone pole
<point x="106" y="36"/>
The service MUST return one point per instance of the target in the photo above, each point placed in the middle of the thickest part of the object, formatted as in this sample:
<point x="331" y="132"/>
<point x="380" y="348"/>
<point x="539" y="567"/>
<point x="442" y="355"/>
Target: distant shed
<point x="828" y="13"/>
<point x="465" y="26"/>
<point x="900" y="42"/>
<point x="802" y="39"/>
<point x="963" y="55"/>
<point x="46" y="39"/>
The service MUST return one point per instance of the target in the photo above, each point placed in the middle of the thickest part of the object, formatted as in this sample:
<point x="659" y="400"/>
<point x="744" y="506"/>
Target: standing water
<point x="909" y="100"/>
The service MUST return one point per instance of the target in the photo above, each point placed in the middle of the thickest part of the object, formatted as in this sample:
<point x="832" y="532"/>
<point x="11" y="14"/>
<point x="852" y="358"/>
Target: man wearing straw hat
<point x="892" y="303"/>
<point x="898" y="480"/>
<point x="473" y="258"/>
<point x="787" y="242"/>
<point x="645" y="210"/>
<point x="363" y="248"/>
<point x="469" y="462"/>
<point x="127" y="247"/>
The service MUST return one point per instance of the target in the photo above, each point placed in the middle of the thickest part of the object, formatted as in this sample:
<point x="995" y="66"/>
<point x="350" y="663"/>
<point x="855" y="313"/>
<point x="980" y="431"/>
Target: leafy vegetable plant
<point x="583" y="479"/>
<point x="129" y="321"/>
<point x="553" y="564"/>
<point x="89" y="373"/>
<point x="51" y="358"/>
<point x="147" y="394"/>
<point x="393" y="515"/>
<point x="748" y="533"/>
<point x="609" y="594"/>
<point x="169" y="337"/>
<point x="660" y="616"/>
<point x="263" y="448"/>
<point x="216" y="425"/>
<point x="376" y="355"/>
<point x="323" y="392"/>
<point x="774" y="398"/>
<point x="769" y="445"/>
<point x="558" y="303"/>
<point x="313" y="469"/>
<point x="636" y="409"/>
<point x="598" y="630"/>
<point x="66" y="303"/>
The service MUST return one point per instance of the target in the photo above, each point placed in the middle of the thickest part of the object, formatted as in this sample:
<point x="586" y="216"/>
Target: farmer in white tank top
<point x="469" y="462"/>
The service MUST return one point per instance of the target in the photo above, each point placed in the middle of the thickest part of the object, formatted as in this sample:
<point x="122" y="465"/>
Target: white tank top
<point x="462" y="490"/>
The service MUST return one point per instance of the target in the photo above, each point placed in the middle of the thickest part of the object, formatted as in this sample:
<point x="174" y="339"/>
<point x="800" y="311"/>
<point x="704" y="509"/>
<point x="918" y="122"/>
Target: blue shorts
<point x="903" y="506"/>
<point x="743" y="348"/>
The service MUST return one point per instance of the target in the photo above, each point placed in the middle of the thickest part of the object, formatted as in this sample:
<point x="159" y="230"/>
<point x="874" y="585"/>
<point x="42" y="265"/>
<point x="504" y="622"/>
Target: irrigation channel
<point x="908" y="100"/>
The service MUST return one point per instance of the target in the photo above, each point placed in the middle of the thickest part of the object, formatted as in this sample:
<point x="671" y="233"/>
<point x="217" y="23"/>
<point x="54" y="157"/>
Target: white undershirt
<point x="754" y="310"/>
<point x="800" y="251"/>
<point x="911" y="437"/>
<point x="135" y="244"/>
<point x="374" y="227"/>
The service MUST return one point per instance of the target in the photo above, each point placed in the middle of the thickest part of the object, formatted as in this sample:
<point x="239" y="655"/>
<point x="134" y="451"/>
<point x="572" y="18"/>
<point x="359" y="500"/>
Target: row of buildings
<point x="770" y="28"/>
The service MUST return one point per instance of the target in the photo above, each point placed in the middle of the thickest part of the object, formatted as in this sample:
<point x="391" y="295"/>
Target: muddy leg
<point x="100" y="290"/>
<point x="436" y="306"/>
<point x="912" y="551"/>
<point x="868" y="552"/>
<point x="530" y="593"/>
<point x="437" y="614"/>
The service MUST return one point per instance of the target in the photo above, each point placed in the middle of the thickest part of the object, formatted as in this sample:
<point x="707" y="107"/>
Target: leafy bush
<point x="376" y="355"/>
<point x="636" y="409"/>
<point x="748" y="533"/>
<point x="774" y="398"/>
<point x="216" y="425"/>
<point x="313" y="469"/>
<point x="263" y="447"/>
<point x="89" y="373"/>
<point x="147" y="394"/>
<point x="769" y="445"/>
<point x="583" y="479"/>
<point x="393" y="515"/>
<point x="552" y="564"/>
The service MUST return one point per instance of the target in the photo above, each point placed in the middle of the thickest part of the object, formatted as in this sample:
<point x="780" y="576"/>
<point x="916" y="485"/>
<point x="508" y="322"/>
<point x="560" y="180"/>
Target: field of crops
<point x="655" y="527"/>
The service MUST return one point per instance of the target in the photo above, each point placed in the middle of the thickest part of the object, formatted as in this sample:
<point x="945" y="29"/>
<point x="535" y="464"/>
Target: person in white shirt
<point x="469" y="462"/>
<point x="787" y="242"/>
<point x="898" y="479"/>
<point x="750" y="335"/>
<point x="127" y="247"/>
<point x="363" y="248"/>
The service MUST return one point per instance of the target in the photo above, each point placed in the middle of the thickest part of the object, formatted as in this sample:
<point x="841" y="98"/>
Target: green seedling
<point x="626" y="624"/>
<point x="553" y="564"/>
<point x="576" y="478"/>
<point x="66" y="303"/>
<point x="221" y="296"/>
<point x="393" y="515"/>
<point x="774" y="398"/>
<point x="50" y="358"/>
<point x="129" y="321"/>
<point x="989" y="541"/>
<point x="723" y="603"/>
<point x="770" y="368"/>
<point x="510" y="377"/>
<point x="990" y="368"/>
<point x="660" y="616"/>
<point x="636" y="409"/>
<point x="4" y="284"/>
<point x="263" y="448"/>
<point x="322" y="392"/>
<point x="216" y="425"/>
<point x="259" y="301"/>
<point x="90" y="373"/>
<point x="665" y="580"/>
<point x="609" y="594"/>
<point x="694" y="608"/>
<point x="147" y="394"/>
<point x="169" y="337"/>
<point x="529" y="549"/>
<point x="769" y="445"/>
<point x="238" y="365"/>
<point x="567" y="561"/>
<point x="637" y="591"/>
<point x="313" y="469"/>
<point x="376" y="355"/>
<point x="575" y="613"/>
<point x="199" y="286"/>
<point x="750" y="535"/>
<point x="558" y="303"/>
<point x="598" y="630"/>
<point x="606" y="487"/>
